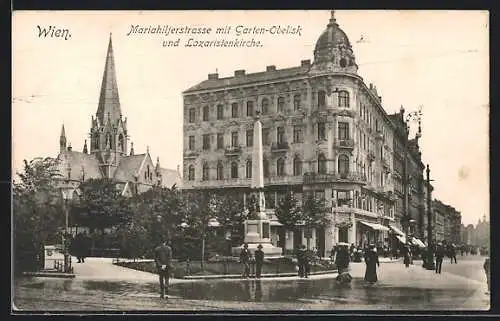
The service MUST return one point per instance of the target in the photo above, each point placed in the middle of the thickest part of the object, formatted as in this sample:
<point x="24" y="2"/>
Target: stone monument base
<point x="270" y="251"/>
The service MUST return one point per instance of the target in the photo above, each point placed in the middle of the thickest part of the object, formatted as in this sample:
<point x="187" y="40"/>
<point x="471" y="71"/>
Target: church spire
<point x="109" y="100"/>
<point x="62" y="140"/>
<point x="85" y="149"/>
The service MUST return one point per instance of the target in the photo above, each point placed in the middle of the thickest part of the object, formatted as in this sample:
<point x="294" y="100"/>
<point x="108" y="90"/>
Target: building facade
<point x="447" y="223"/>
<point x="108" y="155"/>
<point x="325" y="132"/>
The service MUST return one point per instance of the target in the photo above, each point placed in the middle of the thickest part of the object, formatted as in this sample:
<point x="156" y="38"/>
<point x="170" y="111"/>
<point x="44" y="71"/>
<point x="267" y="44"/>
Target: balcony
<point x="280" y="147"/>
<point x="233" y="151"/>
<point x="351" y="177"/>
<point x="216" y="183"/>
<point x="344" y="143"/>
<point x="371" y="156"/>
<point x="283" y="180"/>
<point x="191" y="154"/>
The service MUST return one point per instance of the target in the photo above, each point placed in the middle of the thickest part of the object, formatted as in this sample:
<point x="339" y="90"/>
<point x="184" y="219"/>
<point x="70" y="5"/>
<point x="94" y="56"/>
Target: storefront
<point x="371" y="233"/>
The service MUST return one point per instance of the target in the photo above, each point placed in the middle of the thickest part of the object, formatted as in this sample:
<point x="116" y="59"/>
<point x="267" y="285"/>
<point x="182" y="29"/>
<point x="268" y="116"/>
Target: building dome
<point x="333" y="48"/>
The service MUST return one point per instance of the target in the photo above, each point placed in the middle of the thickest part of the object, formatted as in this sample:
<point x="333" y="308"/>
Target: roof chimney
<point x="213" y="76"/>
<point x="239" y="73"/>
<point x="305" y="63"/>
<point x="271" y="68"/>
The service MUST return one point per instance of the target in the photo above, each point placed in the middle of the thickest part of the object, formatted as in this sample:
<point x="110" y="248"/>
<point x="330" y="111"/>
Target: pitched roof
<point x="128" y="167"/>
<point x="250" y="78"/>
<point x="78" y="161"/>
<point x="169" y="177"/>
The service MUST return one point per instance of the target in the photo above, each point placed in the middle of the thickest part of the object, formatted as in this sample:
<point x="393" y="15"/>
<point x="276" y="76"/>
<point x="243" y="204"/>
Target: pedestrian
<point x="259" y="261"/>
<point x="439" y="254"/>
<point x="342" y="259"/>
<point x="300" y="260"/>
<point x="163" y="261"/>
<point x="306" y="261"/>
<point x="245" y="257"/>
<point x="372" y="262"/>
<point x="332" y="253"/>
<point x="453" y="254"/>
<point x="486" y="267"/>
<point x="406" y="256"/>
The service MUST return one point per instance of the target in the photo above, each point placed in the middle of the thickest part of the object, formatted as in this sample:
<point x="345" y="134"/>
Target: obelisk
<point x="258" y="226"/>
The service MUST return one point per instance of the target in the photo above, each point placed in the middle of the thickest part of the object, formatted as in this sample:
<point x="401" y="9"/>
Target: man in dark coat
<point x="245" y="258"/>
<point x="163" y="261"/>
<point x="342" y="259"/>
<point x="486" y="267"/>
<point x="306" y="261"/>
<point x="439" y="254"/>
<point x="371" y="261"/>
<point x="453" y="253"/>
<point x="259" y="261"/>
<point x="300" y="260"/>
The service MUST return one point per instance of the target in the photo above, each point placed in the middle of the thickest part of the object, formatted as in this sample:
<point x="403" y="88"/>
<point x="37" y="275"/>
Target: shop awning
<point x="401" y="238"/>
<point x="275" y="223"/>
<point x="375" y="226"/>
<point x="396" y="230"/>
<point x="417" y="242"/>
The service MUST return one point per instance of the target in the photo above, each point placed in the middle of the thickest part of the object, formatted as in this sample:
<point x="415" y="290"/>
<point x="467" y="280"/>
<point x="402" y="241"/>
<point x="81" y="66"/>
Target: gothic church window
<point x="121" y="142"/>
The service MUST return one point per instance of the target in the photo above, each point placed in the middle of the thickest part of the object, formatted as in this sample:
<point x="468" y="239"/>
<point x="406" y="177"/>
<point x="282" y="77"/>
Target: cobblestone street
<point x="461" y="286"/>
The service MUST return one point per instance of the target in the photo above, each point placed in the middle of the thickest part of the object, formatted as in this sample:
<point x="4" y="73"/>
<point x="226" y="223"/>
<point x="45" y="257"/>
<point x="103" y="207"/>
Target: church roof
<point x="78" y="161"/>
<point x="128" y="167"/>
<point x="245" y="79"/>
<point x="109" y="100"/>
<point x="170" y="177"/>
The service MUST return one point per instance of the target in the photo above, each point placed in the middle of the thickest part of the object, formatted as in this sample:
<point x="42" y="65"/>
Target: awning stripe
<point x="375" y="226"/>
<point x="398" y="231"/>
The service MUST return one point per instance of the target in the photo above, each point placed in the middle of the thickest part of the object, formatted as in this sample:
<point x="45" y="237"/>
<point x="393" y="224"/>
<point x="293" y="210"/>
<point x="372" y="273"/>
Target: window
<point x="205" y="113"/>
<point x="191" y="173"/>
<point x="280" y="167"/>
<point x="271" y="200"/>
<point x="343" y="62"/>
<point x="205" y="172"/>
<point x="250" y="108"/>
<point x="319" y="195"/>
<point x="281" y="104"/>
<point x="343" y="99"/>
<point x="234" y="139"/>
<point x="249" y="138"/>
<point x="297" y="166"/>
<point x="249" y="169"/>
<point x="321" y="99"/>
<point x="343" y="164"/>
<point x="265" y="106"/>
<point x="234" y="110"/>
<point x="321" y="164"/>
<point x="298" y="135"/>
<point x="265" y="136"/>
<point x="296" y="102"/>
<point x="220" y="141"/>
<point x="206" y="141"/>
<point x="280" y="135"/>
<point x="191" y="143"/>
<point x="121" y="142"/>
<point x="265" y="164"/>
<point x="343" y="130"/>
<point x="321" y="131"/>
<point x="234" y="170"/>
<point x="220" y="170"/>
<point x="343" y="198"/>
<point x="220" y="112"/>
<point x="192" y="115"/>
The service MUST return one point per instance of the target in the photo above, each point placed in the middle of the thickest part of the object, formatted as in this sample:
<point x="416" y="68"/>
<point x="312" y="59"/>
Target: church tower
<point x="62" y="140"/>
<point x="108" y="134"/>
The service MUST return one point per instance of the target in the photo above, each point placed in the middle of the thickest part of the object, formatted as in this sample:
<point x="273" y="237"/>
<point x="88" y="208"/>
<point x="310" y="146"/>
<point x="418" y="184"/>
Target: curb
<point x="238" y="276"/>
<point x="50" y="274"/>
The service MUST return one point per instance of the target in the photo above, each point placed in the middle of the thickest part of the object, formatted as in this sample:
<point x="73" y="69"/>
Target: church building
<point x="108" y="155"/>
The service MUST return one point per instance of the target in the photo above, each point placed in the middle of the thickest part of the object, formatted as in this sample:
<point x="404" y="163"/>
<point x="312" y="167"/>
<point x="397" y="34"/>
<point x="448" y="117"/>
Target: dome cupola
<point x="333" y="51"/>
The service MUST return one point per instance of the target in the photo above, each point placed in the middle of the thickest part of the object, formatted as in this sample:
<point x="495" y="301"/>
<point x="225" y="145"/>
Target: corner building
<point x="325" y="132"/>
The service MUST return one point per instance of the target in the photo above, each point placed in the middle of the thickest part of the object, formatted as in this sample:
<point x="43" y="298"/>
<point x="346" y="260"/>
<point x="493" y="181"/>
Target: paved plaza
<point x="99" y="285"/>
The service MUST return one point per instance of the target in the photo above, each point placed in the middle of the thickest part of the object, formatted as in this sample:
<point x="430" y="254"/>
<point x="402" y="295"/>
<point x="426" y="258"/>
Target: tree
<point x="314" y="215"/>
<point x="37" y="212"/>
<point x="230" y="213"/>
<point x="289" y="212"/>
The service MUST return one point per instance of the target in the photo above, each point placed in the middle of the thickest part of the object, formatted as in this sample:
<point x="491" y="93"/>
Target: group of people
<point x="251" y="262"/>
<point x="342" y="255"/>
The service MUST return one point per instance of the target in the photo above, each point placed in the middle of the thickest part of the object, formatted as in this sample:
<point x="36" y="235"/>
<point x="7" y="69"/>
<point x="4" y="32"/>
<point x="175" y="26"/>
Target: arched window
<point x="108" y="140"/>
<point x="343" y="99"/>
<point x="249" y="169"/>
<point x="321" y="164"/>
<point x="321" y="99"/>
<point x="280" y="167"/>
<point x="234" y="170"/>
<point x="205" y="172"/>
<point x="265" y="106"/>
<point x="220" y="170"/>
<point x="191" y="173"/>
<point x="281" y="104"/>
<point x="297" y="166"/>
<point x="95" y="142"/>
<point x="121" y="142"/>
<point x="265" y="163"/>
<point x="343" y="164"/>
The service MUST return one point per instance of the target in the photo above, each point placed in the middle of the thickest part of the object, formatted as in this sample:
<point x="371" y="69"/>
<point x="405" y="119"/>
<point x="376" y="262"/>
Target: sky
<point x="435" y="59"/>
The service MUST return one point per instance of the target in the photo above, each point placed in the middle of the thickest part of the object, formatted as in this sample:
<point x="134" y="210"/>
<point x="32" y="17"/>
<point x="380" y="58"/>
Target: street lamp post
<point x="67" y="195"/>
<point x="430" y="254"/>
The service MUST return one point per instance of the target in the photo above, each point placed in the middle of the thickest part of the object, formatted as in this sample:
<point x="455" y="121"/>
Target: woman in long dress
<point x="371" y="261"/>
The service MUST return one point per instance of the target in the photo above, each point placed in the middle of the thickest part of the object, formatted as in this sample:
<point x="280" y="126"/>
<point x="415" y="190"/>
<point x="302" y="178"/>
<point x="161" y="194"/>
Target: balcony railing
<point x="280" y="147"/>
<point x="234" y="150"/>
<point x="344" y="143"/>
<point x="312" y="178"/>
<point x="191" y="154"/>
